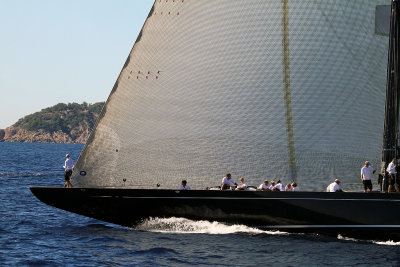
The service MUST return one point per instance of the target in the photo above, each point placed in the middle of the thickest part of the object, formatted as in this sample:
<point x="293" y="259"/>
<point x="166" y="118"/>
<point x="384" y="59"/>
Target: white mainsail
<point x="260" y="89"/>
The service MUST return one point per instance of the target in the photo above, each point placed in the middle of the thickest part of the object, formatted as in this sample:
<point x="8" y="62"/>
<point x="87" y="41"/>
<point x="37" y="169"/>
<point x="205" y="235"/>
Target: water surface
<point x="34" y="234"/>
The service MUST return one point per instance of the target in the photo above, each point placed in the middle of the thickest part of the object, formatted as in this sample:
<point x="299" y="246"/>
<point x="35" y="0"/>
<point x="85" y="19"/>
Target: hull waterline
<point x="352" y="214"/>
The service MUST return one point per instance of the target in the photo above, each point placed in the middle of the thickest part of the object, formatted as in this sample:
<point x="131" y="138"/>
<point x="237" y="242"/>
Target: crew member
<point x="184" y="186"/>
<point x="294" y="187"/>
<point x="272" y="187"/>
<point x="242" y="185"/>
<point x="279" y="185"/>
<point x="68" y="166"/>
<point x="288" y="187"/>
<point x="264" y="186"/>
<point x="391" y="169"/>
<point x="334" y="187"/>
<point x="366" y="175"/>
<point x="227" y="181"/>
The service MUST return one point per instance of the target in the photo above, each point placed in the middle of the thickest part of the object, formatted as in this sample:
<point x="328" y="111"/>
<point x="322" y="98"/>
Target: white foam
<point x="185" y="226"/>
<point x="385" y="243"/>
<point x="347" y="238"/>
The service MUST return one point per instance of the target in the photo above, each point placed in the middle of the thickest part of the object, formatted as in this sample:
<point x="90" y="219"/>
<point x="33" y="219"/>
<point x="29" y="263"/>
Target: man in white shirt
<point x="366" y="175"/>
<point x="391" y="169"/>
<point x="295" y="188"/>
<point x="242" y="185"/>
<point x="68" y="166"/>
<point x="272" y="186"/>
<point x="279" y="185"/>
<point x="227" y="181"/>
<point x="184" y="186"/>
<point x="334" y="187"/>
<point x="264" y="186"/>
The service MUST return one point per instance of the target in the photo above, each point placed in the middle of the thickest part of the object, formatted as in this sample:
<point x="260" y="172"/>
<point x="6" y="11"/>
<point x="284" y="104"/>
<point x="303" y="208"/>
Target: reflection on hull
<point x="357" y="214"/>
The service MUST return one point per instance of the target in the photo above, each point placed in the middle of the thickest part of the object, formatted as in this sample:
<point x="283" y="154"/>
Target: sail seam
<point x="286" y="90"/>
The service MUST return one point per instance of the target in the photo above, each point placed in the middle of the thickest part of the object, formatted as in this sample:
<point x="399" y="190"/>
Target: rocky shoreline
<point x="18" y="134"/>
<point x="61" y="123"/>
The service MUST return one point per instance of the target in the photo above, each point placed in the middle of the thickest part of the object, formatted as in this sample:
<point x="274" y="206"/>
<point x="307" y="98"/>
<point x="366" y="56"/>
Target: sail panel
<point x="203" y="94"/>
<point x="338" y="88"/>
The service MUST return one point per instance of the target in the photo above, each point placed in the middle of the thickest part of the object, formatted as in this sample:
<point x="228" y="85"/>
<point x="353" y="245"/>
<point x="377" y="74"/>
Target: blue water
<point x="34" y="234"/>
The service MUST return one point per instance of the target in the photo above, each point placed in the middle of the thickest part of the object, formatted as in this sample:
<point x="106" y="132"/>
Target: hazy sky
<point x="54" y="51"/>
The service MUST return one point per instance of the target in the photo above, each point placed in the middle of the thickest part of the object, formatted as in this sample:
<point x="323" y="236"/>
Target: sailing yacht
<point x="261" y="89"/>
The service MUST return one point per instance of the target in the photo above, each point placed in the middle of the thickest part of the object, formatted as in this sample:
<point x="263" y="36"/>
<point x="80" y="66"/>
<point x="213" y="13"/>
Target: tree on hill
<point x="62" y="117"/>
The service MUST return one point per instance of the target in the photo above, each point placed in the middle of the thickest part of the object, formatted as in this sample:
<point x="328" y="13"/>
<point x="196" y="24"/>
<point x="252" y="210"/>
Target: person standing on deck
<point x="366" y="175"/>
<point x="391" y="169"/>
<point x="68" y="166"/>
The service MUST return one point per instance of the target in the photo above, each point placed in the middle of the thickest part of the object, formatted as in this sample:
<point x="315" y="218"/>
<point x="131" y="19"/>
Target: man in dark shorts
<point x="68" y="166"/>
<point x="366" y="175"/>
<point x="391" y="169"/>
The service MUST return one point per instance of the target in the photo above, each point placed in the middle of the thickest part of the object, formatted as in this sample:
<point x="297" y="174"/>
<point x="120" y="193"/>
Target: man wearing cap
<point x="366" y="175"/>
<point x="68" y="166"/>
<point x="334" y="187"/>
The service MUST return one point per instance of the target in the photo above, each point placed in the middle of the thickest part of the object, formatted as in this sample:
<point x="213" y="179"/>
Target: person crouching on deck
<point x="227" y="181"/>
<point x="279" y="185"/>
<point x="288" y="187"/>
<point x="334" y="187"/>
<point x="184" y="186"/>
<point x="242" y="185"/>
<point x="294" y="187"/>
<point x="264" y="186"/>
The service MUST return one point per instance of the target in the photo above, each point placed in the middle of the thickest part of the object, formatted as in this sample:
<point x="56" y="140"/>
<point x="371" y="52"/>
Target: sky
<point x="63" y="51"/>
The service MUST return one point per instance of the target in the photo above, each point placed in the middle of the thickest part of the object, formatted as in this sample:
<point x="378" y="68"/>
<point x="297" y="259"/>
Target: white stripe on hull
<point x="253" y="198"/>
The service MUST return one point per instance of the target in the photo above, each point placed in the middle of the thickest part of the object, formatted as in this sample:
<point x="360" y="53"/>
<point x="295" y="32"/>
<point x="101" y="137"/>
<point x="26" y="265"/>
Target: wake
<point x="186" y="226"/>
<point x="384" y="243"/>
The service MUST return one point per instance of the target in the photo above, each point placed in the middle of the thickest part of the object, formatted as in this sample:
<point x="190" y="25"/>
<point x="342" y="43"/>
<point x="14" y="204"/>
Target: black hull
<point x="372" y="215"/>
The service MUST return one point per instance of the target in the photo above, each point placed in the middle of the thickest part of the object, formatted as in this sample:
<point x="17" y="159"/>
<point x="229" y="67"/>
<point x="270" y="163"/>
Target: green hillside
<point x="62" y="117"/>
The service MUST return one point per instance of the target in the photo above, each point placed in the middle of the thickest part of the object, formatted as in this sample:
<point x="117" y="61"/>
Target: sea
<point x="34" y="234"/>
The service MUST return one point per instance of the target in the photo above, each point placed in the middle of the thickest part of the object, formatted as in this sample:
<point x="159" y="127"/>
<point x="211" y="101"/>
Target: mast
<point x="390" y="132"/>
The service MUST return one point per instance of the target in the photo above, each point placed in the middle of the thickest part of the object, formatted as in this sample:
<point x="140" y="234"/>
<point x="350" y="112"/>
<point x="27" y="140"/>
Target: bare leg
<point x="390" y="189"/>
